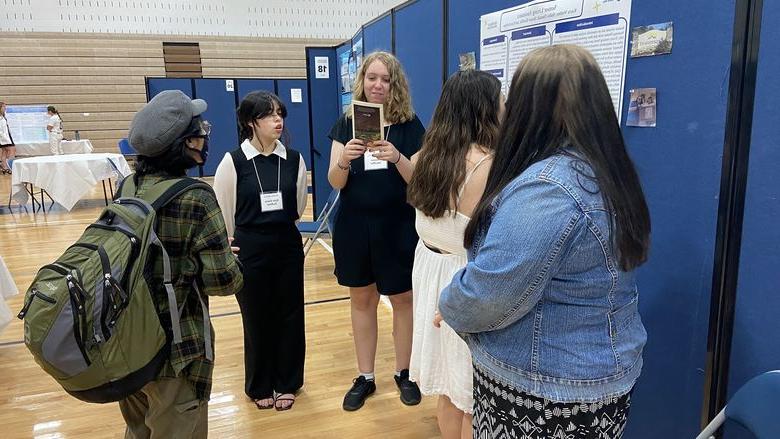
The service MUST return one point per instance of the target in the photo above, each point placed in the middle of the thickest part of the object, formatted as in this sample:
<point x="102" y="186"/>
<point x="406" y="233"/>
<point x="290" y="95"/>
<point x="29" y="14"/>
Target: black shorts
<point x="373" y="248"/>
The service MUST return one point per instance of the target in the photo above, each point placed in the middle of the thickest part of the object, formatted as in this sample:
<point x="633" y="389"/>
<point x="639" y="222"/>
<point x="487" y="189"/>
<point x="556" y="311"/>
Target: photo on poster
<point x="642" y="108"/>
<point x="468" y="61"/>
<point x="652" y="40"/>
<point x="367" y="121"/>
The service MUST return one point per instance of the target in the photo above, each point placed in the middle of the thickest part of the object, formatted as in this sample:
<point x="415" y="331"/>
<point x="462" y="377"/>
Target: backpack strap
<point x="126" y="186"/>
<point x="166" y="191"/>
<point x="206" y="324"/>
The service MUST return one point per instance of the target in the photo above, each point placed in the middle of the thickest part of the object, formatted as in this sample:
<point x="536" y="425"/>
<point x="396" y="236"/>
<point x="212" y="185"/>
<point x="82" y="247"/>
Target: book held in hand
<point x="367" y="121"/>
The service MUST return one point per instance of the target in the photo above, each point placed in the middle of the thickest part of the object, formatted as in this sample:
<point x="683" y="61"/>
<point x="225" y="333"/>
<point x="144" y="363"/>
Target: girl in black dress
<point x="374" y="235"/>
<point x="261" y="188"/>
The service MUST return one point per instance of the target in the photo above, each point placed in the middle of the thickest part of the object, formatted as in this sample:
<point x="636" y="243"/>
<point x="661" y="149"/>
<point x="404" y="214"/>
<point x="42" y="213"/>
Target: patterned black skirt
<point x="501" y="411"/>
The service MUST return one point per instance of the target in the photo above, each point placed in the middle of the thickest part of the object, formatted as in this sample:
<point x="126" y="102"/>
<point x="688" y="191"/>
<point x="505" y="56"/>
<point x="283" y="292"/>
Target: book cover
<point x="367" y="121"/>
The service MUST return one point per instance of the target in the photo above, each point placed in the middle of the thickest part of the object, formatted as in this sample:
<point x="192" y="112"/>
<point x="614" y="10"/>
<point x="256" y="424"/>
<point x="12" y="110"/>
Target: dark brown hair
<point x="467" y="114"/>
<point x="257" y="105"/>
<point x="559" y="98"/>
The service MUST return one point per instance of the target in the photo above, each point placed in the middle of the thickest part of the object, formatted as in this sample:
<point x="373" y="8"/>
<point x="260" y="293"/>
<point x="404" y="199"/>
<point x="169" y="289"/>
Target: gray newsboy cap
<point x="163" y="120"/>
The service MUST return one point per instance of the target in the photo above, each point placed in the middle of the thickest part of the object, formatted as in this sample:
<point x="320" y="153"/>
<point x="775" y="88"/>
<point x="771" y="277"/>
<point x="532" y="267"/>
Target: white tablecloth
<point x="66" y="178"/>
<point x="7" y="289"/>
<point x="82" y="146"/>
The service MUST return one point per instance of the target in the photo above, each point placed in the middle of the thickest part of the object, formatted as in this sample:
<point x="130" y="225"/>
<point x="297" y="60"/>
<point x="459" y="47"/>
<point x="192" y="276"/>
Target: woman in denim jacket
<point x="548" y="301"/>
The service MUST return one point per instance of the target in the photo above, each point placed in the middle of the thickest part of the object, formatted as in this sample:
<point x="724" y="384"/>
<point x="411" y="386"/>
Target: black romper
<point x="374" y="235"/>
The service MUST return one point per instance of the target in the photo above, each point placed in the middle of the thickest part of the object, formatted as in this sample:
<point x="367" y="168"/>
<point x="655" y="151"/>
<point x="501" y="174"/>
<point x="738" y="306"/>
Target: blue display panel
<point x="378" y="35"/>
<point x="324" y="100"/>
<point x="222" y="115"/>
<point x="419" y="45"/>
<point x="295" y="95"/>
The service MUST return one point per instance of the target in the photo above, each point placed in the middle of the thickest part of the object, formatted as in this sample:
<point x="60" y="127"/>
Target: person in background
<point x="548" y="302"/>
<point x="448" y="180"/>
<point x="374" y="236"/>
<point x="54" y="127"/>
<point x="7" y="146"/>
<point x="261" y="187"/>
<point x="171" y="137"/>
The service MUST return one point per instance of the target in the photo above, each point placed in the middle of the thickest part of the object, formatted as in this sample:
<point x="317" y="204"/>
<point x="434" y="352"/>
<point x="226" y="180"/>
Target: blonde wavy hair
<point x="398" y="106"/>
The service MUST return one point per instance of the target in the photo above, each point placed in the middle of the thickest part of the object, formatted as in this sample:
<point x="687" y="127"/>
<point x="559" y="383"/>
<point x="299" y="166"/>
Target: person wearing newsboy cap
<point x="170" y="137"/>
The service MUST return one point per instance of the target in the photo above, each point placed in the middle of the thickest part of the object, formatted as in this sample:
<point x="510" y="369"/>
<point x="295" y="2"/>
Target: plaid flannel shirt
<point x="193" y="233"/>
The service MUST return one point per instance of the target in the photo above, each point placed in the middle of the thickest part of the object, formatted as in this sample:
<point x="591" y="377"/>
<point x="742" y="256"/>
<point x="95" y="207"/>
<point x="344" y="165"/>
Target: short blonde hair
<point x="398" y="106"/>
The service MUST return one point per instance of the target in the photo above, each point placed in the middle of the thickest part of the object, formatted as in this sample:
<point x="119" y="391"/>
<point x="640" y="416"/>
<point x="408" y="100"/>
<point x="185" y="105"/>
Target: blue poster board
<point x="324" y="96"/>
<point x="222" y="115"/>
<point x="679" y="164"/>
<point x="246" y="86"/>
<point x="419" y="47"/>
<point x="378" y="35"/>
<point x="156" y="85"/>
<point x="297" y="123"/>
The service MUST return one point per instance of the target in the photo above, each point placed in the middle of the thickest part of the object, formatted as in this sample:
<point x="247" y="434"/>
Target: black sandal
<point x="282" y="409"/>
<point x="264" y="407"/>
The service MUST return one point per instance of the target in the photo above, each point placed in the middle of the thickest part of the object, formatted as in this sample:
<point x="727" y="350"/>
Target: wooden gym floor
<point x="32" y="405"/>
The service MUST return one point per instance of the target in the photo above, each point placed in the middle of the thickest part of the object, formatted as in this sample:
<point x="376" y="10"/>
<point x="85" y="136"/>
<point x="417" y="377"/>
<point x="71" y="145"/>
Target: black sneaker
<point x="410" y="393"/>
<point x="356" y="397"/>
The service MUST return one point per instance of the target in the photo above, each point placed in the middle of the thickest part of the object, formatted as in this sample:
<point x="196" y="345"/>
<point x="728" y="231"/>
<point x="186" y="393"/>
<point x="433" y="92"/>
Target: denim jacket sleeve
<point x="521" y="251"/>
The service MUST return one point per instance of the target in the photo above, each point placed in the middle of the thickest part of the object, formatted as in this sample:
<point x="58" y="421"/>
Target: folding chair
<point x="754" y="407"/>
<point x="126" y="149"/>
<point x="314" y="231"/>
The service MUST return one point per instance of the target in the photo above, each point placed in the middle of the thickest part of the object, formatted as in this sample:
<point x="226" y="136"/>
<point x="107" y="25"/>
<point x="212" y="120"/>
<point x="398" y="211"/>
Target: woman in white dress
<point x="54" y="127"/>
<point x="449" y="177"/>
<point x="7" y="146"/>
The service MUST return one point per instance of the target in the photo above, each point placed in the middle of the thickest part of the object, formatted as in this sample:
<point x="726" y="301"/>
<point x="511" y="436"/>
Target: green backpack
<point x="89" y="317"/>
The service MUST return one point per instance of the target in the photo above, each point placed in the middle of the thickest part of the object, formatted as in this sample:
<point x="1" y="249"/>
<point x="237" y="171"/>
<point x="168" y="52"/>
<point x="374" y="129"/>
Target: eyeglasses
<point x="205" y="128"/>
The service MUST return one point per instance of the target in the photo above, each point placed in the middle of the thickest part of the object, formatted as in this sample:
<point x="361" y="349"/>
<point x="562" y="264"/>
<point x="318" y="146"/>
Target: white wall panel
<point x="254" y="18"/>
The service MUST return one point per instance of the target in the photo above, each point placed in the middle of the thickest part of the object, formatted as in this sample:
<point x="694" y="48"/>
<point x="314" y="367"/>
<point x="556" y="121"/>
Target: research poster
<point x="601" y="26"/>
<point x="28" y="123"/>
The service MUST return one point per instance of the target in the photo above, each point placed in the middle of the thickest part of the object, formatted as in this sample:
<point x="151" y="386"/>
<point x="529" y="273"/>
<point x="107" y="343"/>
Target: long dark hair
<point x="559" y="98"/>
<point x="467" y="113"/>
<point x="257" y="105"/>
<point x="53" y="110"/>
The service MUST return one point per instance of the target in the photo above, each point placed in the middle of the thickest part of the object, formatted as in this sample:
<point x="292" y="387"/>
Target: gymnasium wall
<point x="97" y="81"/>
<point x="269" y="18"/>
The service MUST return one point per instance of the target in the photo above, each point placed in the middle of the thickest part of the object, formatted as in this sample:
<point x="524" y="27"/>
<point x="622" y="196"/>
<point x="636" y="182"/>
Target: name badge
<point x="372" y="163"/>
<point x="271" y="202"/>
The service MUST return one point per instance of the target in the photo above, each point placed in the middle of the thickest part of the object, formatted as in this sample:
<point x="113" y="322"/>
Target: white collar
<point x="251" y="152"/>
